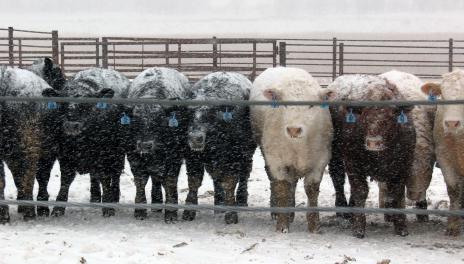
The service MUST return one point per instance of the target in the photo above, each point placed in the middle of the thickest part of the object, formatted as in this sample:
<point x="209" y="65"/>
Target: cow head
<point x="377" y="128"/>
<point x="50" y="72"/>
<point x="451" y="88"/>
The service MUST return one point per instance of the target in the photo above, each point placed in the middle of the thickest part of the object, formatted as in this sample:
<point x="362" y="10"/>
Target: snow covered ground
<point x="84" y="236"/>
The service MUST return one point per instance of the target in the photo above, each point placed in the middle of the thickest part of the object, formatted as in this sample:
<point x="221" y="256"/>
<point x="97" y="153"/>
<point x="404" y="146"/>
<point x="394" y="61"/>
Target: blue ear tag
<point x="173" y="121"/>
<point x="102" y="105"/>
<point x="350" y="117"/>
<point x="432" y="97"/>
<point x="402" y="118"/>
<point x="324" y="103"/>
<point x="52" y="105"/>
<point x="274" y="103"/>
<point x="227" y="116"/>
<point x="125" y="119"/>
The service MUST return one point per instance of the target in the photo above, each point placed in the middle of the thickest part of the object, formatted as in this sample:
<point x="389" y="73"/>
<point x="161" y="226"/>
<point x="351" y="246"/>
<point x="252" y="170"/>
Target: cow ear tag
<point x="402" y="118"/>
<point x="125" y="119"/>
<point x="52" y="105"/>
<point x="102" y="105"/>
<point x="173" y="121"/>
<point x="274" y="103"/>
<point x="432" y="97"/>
<point x="227" y="116"/>
<point x="350" y="117"/>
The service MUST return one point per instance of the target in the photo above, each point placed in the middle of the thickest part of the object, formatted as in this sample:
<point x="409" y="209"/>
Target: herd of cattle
<point x="397" y="146"/>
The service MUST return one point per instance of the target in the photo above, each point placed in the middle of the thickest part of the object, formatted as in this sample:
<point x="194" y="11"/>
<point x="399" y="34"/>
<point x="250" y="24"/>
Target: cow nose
<point x="294" y="132"/>
<point x="452" y="124"/>
<point x="197" y="139"/>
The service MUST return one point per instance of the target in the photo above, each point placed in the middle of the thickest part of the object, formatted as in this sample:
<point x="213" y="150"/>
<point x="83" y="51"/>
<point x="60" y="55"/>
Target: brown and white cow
<point x="448" y="133"/>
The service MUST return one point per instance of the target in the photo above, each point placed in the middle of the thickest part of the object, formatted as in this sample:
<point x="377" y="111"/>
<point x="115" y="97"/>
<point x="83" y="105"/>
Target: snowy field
<point x="84" y="236"/>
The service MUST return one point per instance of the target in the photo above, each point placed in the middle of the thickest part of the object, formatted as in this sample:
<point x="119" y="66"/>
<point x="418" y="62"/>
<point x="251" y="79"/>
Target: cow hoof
<point x="452" y="232"/>
<point x="282" y="229"/>
<point x="29" y="215"/>
<point x="170" y="217"/>
<point x="189" y="215"/>
<point x="231" y="218"/>
<point x="4" y="215"/>
<point x="21" y="209"/>
<point x="273" y="216"/>
<point x="387" y="218"/>
<point x="43" y="211"/>
<point x="108" y="212"/>
<point x="58" y="211"/>
<point x="140" y="214"/>
<point x="292" y="217"/>
<point x="359" y="234"/>
<point x="401" y="230"/>
<point x="422" y="218"/>
<point x="314" y="228"/>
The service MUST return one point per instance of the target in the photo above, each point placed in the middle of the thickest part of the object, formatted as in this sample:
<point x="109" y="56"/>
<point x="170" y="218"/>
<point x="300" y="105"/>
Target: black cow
<point x="222" y="142"/>
<point x="159" y="136"/>
<point x="92" y="138"/>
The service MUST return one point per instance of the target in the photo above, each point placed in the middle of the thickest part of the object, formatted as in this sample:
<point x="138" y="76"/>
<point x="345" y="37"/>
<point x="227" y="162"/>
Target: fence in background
<point x="323" y="58"/>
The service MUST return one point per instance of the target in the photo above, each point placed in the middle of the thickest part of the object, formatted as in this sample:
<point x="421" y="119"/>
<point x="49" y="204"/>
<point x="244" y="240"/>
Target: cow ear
<point x="431" y="88"/>
<point x="48" y="63"/>
<point x="50" y="92"/>
<point x="271" y="94"/>
<point x="326" y="94"/>
<point x="106" y="93"/>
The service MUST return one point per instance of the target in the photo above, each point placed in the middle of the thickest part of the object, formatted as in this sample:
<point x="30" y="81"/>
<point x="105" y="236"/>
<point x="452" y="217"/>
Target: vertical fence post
<point x="179" y="51"/>
<point x="282" y="54"/>
<point x="104" y="53"/>
<point x="10" y="47"/>
<point x="215" y="56"/>
<point x="63" y="68"/>
<point x="334" y="58"/>
<point x="275" y="51"/>
<point x="340" y="64"/>
<point x="97" y="52"/>
<point x="253" y="72"/>
<point x="55" y="52"/>
<point x="166" y="54"/>
<point x="450" y="53"/>
<point x="20" y="53"/>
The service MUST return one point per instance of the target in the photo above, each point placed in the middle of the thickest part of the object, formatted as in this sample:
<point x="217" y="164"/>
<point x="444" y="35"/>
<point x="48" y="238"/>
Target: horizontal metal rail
<point x="236" y="208"/>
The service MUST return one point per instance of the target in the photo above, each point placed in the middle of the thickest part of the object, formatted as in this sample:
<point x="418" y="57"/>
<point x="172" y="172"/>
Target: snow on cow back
<point x="21" y="83"/>
<point x="92" y="80"/>
<point x="294" y="135"/>
<point x="222" y="85"/>
<point x="153" y="83"/>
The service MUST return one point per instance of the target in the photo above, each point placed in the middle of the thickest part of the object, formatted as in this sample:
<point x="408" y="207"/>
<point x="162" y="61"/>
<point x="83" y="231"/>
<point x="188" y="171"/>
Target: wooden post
<point x="334" y="58"/>
<point x="253" y="72"/>
<point x="215" y="55"/>
<point x="450" y="53"/>
<point x="340" y="64"/>
<point x="55" y="52"/>
<point x="10" y="47"/>
<point x="62" y="59"/>
<point x="97" y="52"/>
<point x="166" y="54"/>
<point x="20" y="53"/>
<point x="275" y="51"/>
<point x="283" y="54"/>
<point x="104" y="53"/>
<point x="179" y="51"/>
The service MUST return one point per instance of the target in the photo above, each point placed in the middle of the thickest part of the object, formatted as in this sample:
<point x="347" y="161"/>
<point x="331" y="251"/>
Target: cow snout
<point x="452" y="124"/>
<point x="197" y="141"/>
<point x="375" y="143"/>
<point x="73" y="128"/>
<point x="294" y="132"/>
<point x="145" y="146"/>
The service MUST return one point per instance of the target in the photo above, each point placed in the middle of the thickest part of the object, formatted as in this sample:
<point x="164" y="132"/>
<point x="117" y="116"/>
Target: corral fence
<point x="323" y="58"/>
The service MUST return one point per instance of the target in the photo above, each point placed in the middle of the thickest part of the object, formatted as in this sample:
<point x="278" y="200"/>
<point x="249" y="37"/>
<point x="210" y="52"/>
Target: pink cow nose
<point x="452" y="124"/>
<point x="294" y="132"/>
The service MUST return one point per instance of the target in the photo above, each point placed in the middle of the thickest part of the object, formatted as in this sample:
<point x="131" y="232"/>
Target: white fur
<point x="308" y="154"/>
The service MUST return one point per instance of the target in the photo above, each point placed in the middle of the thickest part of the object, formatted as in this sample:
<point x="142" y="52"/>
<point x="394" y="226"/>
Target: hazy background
<point x="232" y="17"/>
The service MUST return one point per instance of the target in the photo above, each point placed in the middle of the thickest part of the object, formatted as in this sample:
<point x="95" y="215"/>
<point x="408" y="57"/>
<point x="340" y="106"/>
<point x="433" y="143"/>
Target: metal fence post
<point x="253" y="72"/>
<point x="334" y="58"/>
<point x="97" y="52"/>
<point x="104" y="53"/>
<point x="10" y="47"/>
<point x="62" y="59"/>
<point x="282" y="54"/>
<point x="166" y="53"/>
<point x="450" y="53"/>
<point x="55" y="51"/>
<point x="179" y="53"/>
<point x="275" y="51"/>
<point x="215" y="56"/>
<point x="20" y="53"/>
<point x="340" y="64"/>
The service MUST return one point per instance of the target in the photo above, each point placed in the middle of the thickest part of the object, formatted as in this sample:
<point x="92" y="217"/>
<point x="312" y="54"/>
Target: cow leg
<point x="281" y="192"/>
<point x="229" y="183"/>
<point x="43" y="176"/>
<point x="156" y="194"/>
<point x="23" y="175"/>
<point x="107" y="191"/>
<point x="395" y="199"/>
<point x="140" y="180"/>
<point x="455" y="191"/>
<point x="312" y="183"/>
<point x="292" y="201"/>
<point x="170" y="186"/>
<point x="4" y="210"/>
<point x="272" y="199"/>
<point x="95" y="190"/>
<point x="242" y="189"/>
<point x="195" y="173"/>
<point x="422" y="204"/>
<point x="115" y="187"/>
<point x="337" y="174"/>
<point x="359" y="192"/>
<point x="383" y="199"/>
<point x="67" y="177"/>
